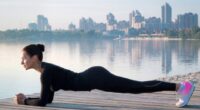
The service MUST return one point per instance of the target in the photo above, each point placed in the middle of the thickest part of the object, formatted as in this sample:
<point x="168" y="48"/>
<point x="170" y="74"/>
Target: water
<point x="133" y="59"/>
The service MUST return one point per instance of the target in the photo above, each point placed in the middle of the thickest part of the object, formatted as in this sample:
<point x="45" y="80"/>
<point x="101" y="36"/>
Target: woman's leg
<point x="124" y="85"/>
<point x="100" y="78"/>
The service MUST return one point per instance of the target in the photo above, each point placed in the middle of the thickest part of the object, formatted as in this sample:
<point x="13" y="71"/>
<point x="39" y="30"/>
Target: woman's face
<point x="27" y="61"/>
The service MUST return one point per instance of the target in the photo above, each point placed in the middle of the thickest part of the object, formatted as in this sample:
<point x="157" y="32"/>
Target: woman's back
<point x="58" y="77"/>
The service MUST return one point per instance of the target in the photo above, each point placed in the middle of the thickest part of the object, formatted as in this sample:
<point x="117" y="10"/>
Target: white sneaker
<point x="185" y="91"/>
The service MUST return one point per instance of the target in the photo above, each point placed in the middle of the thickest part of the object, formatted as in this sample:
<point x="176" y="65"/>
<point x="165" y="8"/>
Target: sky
<point x="16" y="14"/>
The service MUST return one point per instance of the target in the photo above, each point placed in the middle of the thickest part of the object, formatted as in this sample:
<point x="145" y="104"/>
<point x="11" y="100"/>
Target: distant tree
<point x="133" y="32"/>
<point x="171" y="33"/>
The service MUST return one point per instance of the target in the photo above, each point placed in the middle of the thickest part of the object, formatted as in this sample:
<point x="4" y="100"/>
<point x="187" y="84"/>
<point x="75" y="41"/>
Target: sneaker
<point x="185" y="91"/>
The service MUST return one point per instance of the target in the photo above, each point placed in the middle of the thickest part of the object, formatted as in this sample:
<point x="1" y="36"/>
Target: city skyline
<point x="25" y="11"/>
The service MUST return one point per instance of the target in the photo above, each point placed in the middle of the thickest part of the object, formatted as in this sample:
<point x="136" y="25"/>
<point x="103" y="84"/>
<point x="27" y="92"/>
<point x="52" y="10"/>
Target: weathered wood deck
<point x="100" y="100"/>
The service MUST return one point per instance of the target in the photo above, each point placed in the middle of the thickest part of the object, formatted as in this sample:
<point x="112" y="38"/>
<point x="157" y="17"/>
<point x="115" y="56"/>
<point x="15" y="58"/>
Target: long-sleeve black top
<point x="52" y="79"/>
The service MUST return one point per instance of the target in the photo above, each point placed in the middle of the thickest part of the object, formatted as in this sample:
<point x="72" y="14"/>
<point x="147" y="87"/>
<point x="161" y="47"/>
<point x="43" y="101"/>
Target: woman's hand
<point x="19" y="99"/>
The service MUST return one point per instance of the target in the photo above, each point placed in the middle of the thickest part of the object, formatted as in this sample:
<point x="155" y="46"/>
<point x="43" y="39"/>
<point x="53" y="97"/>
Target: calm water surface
<point x="133" y="59"/>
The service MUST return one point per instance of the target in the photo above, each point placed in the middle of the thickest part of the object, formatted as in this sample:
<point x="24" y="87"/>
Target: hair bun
<point x="41" y="47"/>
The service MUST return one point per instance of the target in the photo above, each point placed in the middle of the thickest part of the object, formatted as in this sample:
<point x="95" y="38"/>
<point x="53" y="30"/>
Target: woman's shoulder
<point x="51" y="66"/>
<point x="49" y="69"/>
<point x="48" y="65"/>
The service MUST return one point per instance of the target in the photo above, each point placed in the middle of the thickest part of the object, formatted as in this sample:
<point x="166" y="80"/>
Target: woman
<point x="54" y="78"/>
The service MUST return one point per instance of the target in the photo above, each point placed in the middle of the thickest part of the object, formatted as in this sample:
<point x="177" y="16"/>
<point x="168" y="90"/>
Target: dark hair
<point x="35" y="49"/>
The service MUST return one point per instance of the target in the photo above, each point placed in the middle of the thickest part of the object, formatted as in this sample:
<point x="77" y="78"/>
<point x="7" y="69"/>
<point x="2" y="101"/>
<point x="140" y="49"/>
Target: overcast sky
<point x="18" y="13"/>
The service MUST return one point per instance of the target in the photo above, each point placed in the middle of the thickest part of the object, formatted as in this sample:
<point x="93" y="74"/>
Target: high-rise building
<point x="100" y="27"/>
<point x="32" y="26"/>
<point x="90" y="25"/>
<point x="136" y="19"/>
<point x="111" y="22"/>
<point x="187" y="21"/>
<point x="48" y="27"/>
<point x="71" y="27"/>
<point x="42" y="23"/>
<point x="86" y="24"/>
<point x="122" y="25"/>
<point x="111" y="19"/>
<point x="153" y="25"/>
<point x="166" y="16"/>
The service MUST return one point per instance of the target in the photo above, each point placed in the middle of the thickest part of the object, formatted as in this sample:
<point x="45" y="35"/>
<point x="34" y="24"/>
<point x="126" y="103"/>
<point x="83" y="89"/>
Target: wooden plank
<point x="98" y="100"/>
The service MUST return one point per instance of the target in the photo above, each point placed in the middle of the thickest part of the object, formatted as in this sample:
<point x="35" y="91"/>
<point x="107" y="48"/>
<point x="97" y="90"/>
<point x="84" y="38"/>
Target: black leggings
<point x="100" y="78"/>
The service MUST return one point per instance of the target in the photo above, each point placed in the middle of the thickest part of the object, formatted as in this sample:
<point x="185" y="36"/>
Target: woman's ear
<point x="34" y="57"/>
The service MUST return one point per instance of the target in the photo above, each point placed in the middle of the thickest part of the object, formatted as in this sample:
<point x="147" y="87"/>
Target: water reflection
<point x="134" y="59"/>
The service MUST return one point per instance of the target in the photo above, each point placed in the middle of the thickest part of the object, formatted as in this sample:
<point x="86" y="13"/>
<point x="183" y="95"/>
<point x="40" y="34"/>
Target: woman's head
<point x="32" y="54"/>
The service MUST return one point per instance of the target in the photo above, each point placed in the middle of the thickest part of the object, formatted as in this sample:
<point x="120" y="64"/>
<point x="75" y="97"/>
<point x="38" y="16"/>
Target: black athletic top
<point x="52" y="79"/>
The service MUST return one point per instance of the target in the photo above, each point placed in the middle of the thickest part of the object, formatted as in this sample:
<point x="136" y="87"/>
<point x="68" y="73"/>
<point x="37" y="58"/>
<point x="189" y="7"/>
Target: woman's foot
<point x="185" y="91"/>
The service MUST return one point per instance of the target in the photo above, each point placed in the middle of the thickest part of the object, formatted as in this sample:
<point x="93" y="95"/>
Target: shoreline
<point x="194" y="77"/>
<point x="151" y="38"/>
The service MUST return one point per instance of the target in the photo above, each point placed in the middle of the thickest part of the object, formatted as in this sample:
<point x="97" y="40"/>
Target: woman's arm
<point x="36" y="101"/>
<point x="46" y="95"/>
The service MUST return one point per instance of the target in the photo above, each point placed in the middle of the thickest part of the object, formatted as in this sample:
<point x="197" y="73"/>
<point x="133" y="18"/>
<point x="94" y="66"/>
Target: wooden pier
<point x="100" y="100"/>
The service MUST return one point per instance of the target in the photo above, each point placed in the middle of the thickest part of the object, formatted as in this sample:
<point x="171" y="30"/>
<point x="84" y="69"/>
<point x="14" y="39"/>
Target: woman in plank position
<point x="54" y="78"/>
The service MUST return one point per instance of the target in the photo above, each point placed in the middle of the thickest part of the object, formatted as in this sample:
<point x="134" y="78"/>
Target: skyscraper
<point x="187" y="21"/>
<point x="86" y="24"/>
<point x="136" y="19"/>
<point x="72" y="27"/>
<point x="111" y="19"/>
<point x="166" y="16"/>
<point x="32" y="26"/>
<point x="42" y="23"/>
<point x="153" y="25"/>
<point x="111" y="22"/>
